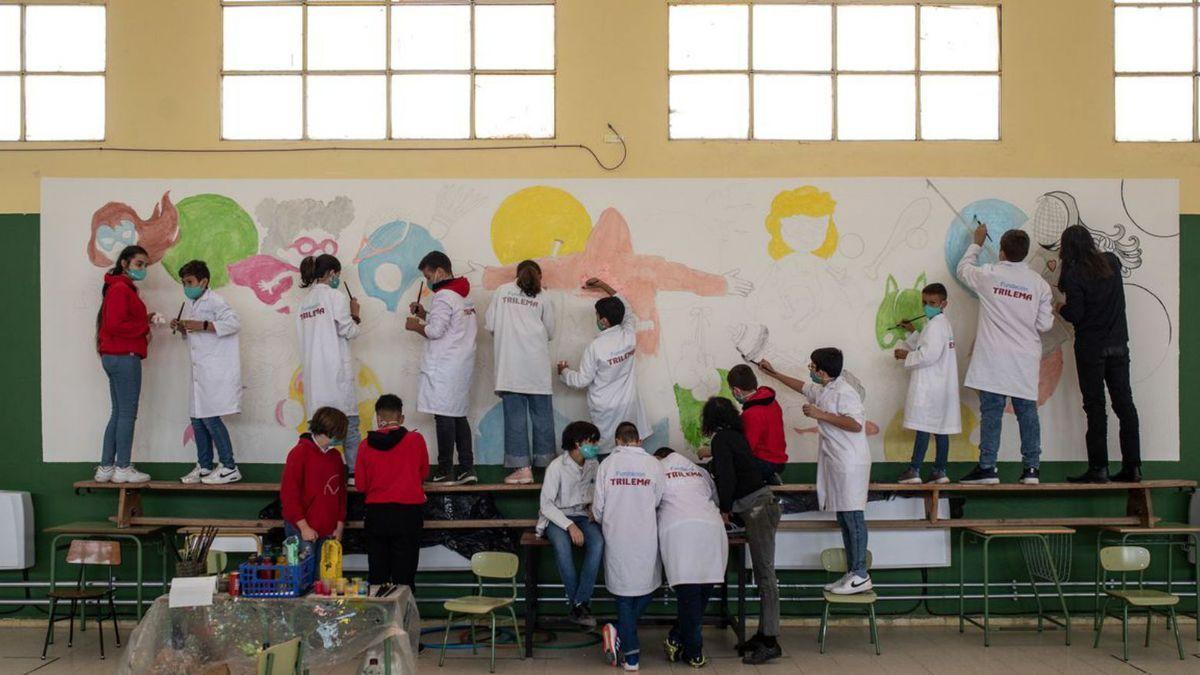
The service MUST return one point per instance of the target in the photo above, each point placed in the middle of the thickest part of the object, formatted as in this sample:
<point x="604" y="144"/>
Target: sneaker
<point x="1092" y="475"/>
<point x="938" y="477"/>
<point x="222" y="476"/>
<point x="522" y="476"/>
<point x="830" y="586"/>
<point x="196" y="475"/>
<point x="698" y="661"/>
<point x="749" y="645"/>
<point x="774" y="479"/>
<point x="466" y="477"/>
<point x="630" y="662"/>
<point x="762" y="653"/>
<point x="1127" y="474"/>
<point x="104" y="474"/>
<point x="610" y="644"/>
<point x="852" y="585"/>
<point x="442" y="477"/>
<point x="981" y="476"/>
<point x="129" y="474"/>
<point x="673" y="648"/>
<point x="1030" y="476"/>
<point x="909" y="477"/>
<point x="580" y="616"/>
<point x="349" y="480"/>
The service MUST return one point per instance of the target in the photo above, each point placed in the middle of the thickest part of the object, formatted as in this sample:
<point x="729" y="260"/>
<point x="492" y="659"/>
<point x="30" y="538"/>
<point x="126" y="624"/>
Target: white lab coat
<point x="326" y="329"/>
<point x="567" y="490"/>
<point x="216" y="359"/>
<point x="449" y="361"/>
<point x="843" y="457"/>
<point x="932" y="403"/>
<point x="691" y="534"/>
<point x="522" y="328"/>
<point x="629" y="487"/>
<point x="607" y="371"/>
<point x="1015" y="309"/>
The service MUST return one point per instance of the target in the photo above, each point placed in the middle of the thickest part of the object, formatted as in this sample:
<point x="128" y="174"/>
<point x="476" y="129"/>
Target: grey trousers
<point x="762" y="520"/>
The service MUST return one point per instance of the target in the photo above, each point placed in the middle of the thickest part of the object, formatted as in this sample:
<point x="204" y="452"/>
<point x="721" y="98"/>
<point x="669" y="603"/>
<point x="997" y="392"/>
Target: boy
<point x="932" y="403"/>
<point x="606" y="369"/>
<point x="391" y="466"/>
<point x="449" y="328"/>
<point x="762" y="422"/>
<point x="629" y="487"/>
<point x="312" y="490"/>
<point x="210" y="326"/>
<point x="564" y="516"/>
<point x="843" y="457"/>
<point x="1015" y="308"/>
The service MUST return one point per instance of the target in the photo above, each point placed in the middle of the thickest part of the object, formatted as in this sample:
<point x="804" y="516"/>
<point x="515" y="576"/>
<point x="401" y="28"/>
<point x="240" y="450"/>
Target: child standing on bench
<point x="312" y="490"/>
<point x="762" y="422"/>
<point x="392" y="464"/>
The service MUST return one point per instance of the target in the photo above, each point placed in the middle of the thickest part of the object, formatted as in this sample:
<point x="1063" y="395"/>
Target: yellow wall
<point x="1057" y="119"/>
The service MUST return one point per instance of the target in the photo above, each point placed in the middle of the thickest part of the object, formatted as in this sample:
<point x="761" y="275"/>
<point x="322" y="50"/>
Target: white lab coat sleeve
<point x="913" y="341"/>
<point x="1045" y="317"/>
<point x="582" y="378"/>
<point x="550" y="489"/>
<point x="437" y="321"/>
<point x="811" y="390"/>
<point x="226" y="321"/>
<point x="968" y="269"/>
<point x="851" y="406"/>
<point x="489" y="319"/>
<point x="928" y="351"/>
<point x="600" y="493"/>
<point x="548" y="317"/>
<point x="346" y="327"/>
<point x="660" y="483"/>
<point x="630" y="320"/>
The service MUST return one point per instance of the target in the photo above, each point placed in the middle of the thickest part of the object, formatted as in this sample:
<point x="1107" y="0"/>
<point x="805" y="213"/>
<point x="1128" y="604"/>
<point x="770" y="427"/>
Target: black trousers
<point x="1097" y="368"/>
<point x="453" y="432"/>
<point x="393" y="543"/>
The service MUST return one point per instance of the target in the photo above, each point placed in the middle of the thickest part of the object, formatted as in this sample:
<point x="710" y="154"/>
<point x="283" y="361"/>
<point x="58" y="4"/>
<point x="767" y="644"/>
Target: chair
<point x="834" y="561"/>
<point x="84" y="552"/>
<point x="486" y="565"/>
<point x="282" y="659"/>
<point x="1126" y="559"/>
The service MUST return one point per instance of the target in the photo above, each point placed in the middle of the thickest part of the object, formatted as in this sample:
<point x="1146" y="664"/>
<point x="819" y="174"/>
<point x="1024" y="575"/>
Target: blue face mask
<point x="334" y="282"/>
<point x="599" y="326"/>
<point x="136" y="275"/>
<point x="815" y="378"/>
<point x="193" y="292"/>
<point x="337" y="441"/>
<point x="931" y="312"/>
<point x="589" y="450"/>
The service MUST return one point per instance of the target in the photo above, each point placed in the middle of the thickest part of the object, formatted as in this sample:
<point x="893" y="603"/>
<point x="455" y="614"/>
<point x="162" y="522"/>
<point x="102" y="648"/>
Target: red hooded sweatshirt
<point x="391" y="467"/>
<point x="460" y="285"/>
<point x="123" y="323"/>
<point x="762" y="422"/>
<point x="313" y="487"/>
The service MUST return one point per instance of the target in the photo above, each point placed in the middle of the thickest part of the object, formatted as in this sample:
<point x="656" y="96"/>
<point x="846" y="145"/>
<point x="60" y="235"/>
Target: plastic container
<point x="271" y="580"/>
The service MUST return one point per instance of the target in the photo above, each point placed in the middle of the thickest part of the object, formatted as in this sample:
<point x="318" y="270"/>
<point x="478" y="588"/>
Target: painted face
<point x="804" y="233"/>
<point x="308" y="242"/>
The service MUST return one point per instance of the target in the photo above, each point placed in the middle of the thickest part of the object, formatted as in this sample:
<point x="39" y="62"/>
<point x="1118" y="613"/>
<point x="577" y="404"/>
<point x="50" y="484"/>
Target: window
<point x="379" y="69"/>
<point x="1155" y="48"/>
<point x="834" y="71"/>
<point x="52" y="72"/>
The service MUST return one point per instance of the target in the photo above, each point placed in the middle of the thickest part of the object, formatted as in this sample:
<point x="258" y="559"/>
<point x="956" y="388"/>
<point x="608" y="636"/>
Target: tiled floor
<point x="906" y="649"/>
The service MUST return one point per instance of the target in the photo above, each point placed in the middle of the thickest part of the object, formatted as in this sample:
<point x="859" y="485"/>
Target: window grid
<point x="304" y="73"/>
<point x="1194" y="75"/>
<point x="834" y="71"/>
<point x="21" y="73"/>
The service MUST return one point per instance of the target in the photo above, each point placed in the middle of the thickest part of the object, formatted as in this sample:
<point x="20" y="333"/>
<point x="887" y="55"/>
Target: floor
<point x="906" y="649"/>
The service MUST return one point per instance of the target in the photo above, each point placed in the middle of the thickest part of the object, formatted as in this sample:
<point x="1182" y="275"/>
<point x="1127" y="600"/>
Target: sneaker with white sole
<point x="938" y="478"/>
<point x="830" y="586"/>
<point x="104" y="474"/>
<point x="852" y="585"/>
<point x="522" y="476"/>
<point x="909" y="477"/>
<point x="129" y="474"/>
<point x="197" y="474"/>
<point x="611" y="645"/>
<point x="466" y="477"/>
<point x="630" y="662"/>
<point x="221" y="476"/>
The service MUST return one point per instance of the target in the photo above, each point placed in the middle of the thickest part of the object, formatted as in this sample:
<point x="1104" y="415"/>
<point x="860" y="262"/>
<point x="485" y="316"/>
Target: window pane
<point x="347" y="38"/>
<point x="10" y="108"/>
<point x="710" y="106"/>
<point x="793" y="107"/>
<point x="64" y="38"/>
<point x="64" y="108"/>
<point x="347" y="106"/>
<point x="1154" y="108"/>
<point x="514" y="37"/>
<point x="877" y="107"/>
<point x="960" y="38"/>
<point x="793" y="37"/>
<point x="263" y="38"/>
<point x="431" y="106"/>
<point x="10" y="37"/>
<point x="960" y="107"/>
<point x="511" y="106"/>
<point x="876" y="38"/>
<point x="709" y="37"/>
<point x="426" y="38"/>
<point x="1153" y="39"/>
<point x="260" y="107"/>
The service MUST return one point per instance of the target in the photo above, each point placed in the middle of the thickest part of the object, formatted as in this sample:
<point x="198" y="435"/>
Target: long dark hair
<point x="312" y="268"/>
<point x="719" y="414"/>
<point x="529" y="278"/>
<point x="1078" y="251"/>
<point x="122" y="263"/>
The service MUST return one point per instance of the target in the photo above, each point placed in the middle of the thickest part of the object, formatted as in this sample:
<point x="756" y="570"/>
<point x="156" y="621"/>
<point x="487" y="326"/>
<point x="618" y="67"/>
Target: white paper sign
<point x="192" y="591"/>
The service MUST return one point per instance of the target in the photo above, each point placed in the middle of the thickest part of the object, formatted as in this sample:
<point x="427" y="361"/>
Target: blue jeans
<point x="854" y="538"/>
<point x="991" y="412"/>
<point x="540" y="414"/>
<point x="942" y="441"/>
<point x="125" y="388"/>
<point x="209" y="431"/>
<point x="313" y="547"/>
<point x="629" y="608"/>
<point x="691" y="599"/>
<point x="353" y="438"/>
<point x="578" y="589"/>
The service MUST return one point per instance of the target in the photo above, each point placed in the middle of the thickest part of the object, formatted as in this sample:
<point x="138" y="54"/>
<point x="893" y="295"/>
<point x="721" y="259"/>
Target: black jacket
<point x="733" y="468"/>
<point x="1096" y="307"/>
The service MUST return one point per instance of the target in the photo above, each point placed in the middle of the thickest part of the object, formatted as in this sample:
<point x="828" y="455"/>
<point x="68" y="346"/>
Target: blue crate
<point x="280" y="581"/>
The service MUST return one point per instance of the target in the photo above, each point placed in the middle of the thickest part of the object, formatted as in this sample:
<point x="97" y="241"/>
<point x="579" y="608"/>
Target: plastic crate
<point x="276" y="581"/>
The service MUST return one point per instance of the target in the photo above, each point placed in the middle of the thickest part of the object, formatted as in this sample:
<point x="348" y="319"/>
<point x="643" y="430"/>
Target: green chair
<point x="834" y="561"/>
<point x="282" y="659"/>
<point x="1126" y="559"/>
<point x="486" y="565"/>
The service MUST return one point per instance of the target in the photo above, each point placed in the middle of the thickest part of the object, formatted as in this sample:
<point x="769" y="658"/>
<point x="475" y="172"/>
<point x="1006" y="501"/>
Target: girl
<point x="122" y="336"/>
<point x="522" y="322"/>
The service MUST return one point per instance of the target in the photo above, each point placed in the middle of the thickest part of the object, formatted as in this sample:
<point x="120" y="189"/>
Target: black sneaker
<point x="1030" y="476"/>
<point x="981" y="476"/>
<point x="773" y="479"/>
<point x="442" y="477"/>
<point x="1092" y="475"/>
<point x="698" y="661"/>
<point x="763" y="653"/>
<point x="580" y="616"/>
<point x="466" y="477"/>
<point x="673" y="648"/>
<point x="749" y="645"/>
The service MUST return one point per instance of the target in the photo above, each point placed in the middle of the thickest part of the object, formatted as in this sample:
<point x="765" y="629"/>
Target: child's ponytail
<point x="529" y="278"/>
<point x="312" y="269"/>
<point x="308" y="269"/>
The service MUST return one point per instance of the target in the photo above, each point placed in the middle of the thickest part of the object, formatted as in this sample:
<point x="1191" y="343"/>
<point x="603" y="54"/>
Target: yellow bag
<point x="331" y="560"/>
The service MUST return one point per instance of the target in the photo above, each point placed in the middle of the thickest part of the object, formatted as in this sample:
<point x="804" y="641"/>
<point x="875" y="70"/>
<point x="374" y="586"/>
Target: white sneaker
<point x="129" y="474"/>
<point x="196" y="475"/>
<point x="852" y="585"/>
<point x="830" y="586"/>
<point x="221" y="476"/>
<point x="104" y="474"/>
<point x="522" y="476"/>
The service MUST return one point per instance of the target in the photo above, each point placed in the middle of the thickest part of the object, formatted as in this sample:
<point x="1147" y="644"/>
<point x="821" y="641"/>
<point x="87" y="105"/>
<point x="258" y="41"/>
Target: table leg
<point x="1058" y="588"/>
<point x="54" y="559"/>
<point x="1196" y="549"/>
<point x="962" y="566"/>
<point x="531" y="597"/>
<point x="741" y="582"/>
<point x="138" y="544"/>
<point x="987" y="622"/>
<point x="1096" y="611"/>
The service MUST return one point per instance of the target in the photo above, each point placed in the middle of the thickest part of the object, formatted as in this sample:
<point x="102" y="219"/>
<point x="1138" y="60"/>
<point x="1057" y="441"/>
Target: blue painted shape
<point x="489" y="434"/>
<point x="659" y="438"/>
<point x="398" y="243"/>
<point x="1000" y="216"/>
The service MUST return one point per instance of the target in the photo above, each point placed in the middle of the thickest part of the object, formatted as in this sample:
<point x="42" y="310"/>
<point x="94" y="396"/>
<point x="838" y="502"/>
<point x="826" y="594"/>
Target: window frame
<point x="1194" y="74"/>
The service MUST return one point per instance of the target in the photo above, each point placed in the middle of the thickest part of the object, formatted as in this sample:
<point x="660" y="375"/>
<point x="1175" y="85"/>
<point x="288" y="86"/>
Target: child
<point x="564" y="517"/>
<point x="210" y="326"/>
<point x="843" y="458"/>
<point x="312" y="490"/>
<point x="449" y="328"/>
<point x="607" y="370"/>
<point x="629" y="487"/>
<point x="932" y="403"/>
<point x="695" y="550"/>
<point x="762" y="422"/>
<point x="392" y="464"/>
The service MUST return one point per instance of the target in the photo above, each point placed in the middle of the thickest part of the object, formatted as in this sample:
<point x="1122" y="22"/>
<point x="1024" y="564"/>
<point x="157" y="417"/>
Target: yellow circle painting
<point x="537" y="222"/>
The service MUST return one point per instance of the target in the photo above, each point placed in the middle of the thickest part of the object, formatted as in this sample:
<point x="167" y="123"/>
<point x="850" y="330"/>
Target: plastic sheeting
<point x="466" y="506"/>
<point x="231" y="632"/>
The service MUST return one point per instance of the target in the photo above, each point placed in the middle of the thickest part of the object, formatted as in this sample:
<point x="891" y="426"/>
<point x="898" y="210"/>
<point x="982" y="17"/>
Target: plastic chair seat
<point x="476" y="604"/>
<point x="1145" y="598"/>
<point x="857" y="599"/>
<point x="77" y="593"/>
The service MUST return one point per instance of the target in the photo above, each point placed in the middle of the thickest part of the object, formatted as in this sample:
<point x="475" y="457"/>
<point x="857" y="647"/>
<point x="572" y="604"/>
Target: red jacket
<point x="762" y="422"/>
<point x="313" y="487"/>
<point x="123" y="324"/>
<point x="391" y="467"/>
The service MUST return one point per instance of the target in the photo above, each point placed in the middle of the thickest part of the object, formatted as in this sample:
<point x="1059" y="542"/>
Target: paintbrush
<point x="420" y="292"/>
<point x="178" y="316"/>
<point x="915" y="318"/>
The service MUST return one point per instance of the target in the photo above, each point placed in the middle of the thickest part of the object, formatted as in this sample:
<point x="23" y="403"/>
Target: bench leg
<point x="962" y="567"/>
<point x="987" y="622"/>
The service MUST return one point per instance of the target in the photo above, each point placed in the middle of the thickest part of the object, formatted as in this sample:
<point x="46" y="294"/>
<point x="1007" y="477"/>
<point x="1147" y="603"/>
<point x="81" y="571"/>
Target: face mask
<point x="589" y="451"/>
<point x="931" y="312"/>
<point x="740" y="398"/>
<point x="136" y="275"/>
<point x="815" y="378"/>
<point x="600" y="326"/>
<point x="334" y="282"/>
<point x="193" y="292"/>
